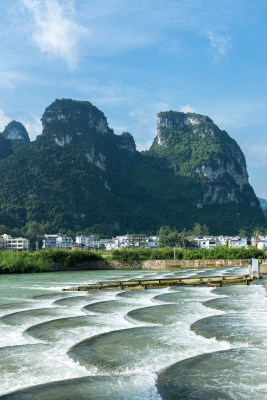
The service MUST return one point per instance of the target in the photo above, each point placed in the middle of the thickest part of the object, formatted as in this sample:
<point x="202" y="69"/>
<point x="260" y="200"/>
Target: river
<point x="171" y="343"/>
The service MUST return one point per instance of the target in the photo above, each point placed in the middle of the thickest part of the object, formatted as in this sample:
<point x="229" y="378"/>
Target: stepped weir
<point x="139" y="284"/>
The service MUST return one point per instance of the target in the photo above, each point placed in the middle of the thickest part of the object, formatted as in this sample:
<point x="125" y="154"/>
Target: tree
<point x="200" y="230"/>
<point x="167" y="237"/>
<point x="34" y="231"/>
<point x="242" y="233"/>
<point x="4" y="229"/>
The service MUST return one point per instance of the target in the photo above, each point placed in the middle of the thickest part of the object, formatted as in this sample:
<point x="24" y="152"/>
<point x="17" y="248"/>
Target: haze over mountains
<point x="78" y="174"/>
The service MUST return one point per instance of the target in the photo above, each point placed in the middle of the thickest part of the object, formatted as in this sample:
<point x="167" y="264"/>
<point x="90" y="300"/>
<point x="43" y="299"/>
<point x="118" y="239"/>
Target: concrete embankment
<point x="263" y="267"/>
<point x="151" y="264"/>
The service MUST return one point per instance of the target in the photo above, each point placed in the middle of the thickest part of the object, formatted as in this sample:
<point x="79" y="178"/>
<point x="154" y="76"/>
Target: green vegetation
<point x="5" y="147"/>
<point x="167" y="253"/>
<point x="97" y="181"/>
<point x="19" y="262"/>
<point x="43" y="261"/>
<point x="170" y="237"/>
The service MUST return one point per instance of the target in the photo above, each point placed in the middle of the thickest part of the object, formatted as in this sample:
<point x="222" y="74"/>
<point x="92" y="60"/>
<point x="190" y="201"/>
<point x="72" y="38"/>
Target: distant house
<point x="49" y="241"/>
<point x="261" y="242"/>
<point x="209" y="242"/>
<point x="57" y="241"/>
<point x="152" y="242"/>
<point x="131" y="240"/>
<point x="238" y="242"/>
<point x="87" y="242"/>
<point x="206" y="242"/>
<point x="64" y="242"/>
<point x="110" y="244"/>
<point x="7" y="242"/>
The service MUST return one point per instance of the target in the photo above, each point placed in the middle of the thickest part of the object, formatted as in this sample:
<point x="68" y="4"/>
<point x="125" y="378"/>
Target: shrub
<point x="17" y="262"/>
<point x="43" y="261"/>
<point x="167" y="253"/>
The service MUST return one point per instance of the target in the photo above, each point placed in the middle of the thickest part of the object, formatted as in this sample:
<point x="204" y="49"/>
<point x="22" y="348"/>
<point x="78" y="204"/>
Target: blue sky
<point x="133" y="59"/>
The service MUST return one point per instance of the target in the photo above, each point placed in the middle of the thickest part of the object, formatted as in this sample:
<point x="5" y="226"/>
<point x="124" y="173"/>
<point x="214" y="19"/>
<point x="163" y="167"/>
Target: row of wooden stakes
<point x="162" y="283"/>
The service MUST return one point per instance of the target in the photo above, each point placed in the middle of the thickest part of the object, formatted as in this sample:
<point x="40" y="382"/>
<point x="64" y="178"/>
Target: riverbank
<point x="125" y="259"/>
<point x="147" y="265"/>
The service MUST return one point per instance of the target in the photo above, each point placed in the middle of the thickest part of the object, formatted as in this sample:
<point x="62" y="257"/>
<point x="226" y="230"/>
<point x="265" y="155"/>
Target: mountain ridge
<point x="79" y="175"/>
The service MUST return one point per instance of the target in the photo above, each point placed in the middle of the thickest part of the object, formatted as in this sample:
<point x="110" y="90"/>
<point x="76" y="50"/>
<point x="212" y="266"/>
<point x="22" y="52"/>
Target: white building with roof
<point x="86" y="241"/>
<point x="64" y="242"/>
<point x="208" y="242"/>
<point x="131" y="240"/>
<point x="7" y="242"/>
<point x="261" y="242"/>
<point x="238" y="242"/>
<point x="57" y="241"/>
<point x="49" y="241"/>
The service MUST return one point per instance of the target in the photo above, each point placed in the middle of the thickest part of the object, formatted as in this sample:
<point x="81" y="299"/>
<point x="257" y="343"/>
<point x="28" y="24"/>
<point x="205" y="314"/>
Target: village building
<point x="7" y="242"/>
<point x="57" y="241"/>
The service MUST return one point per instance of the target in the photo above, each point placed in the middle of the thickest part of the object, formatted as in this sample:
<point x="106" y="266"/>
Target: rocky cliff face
<point x="66" y="119"/>
<point x="196" y="147"/>
<point x="16" y="133"/>
<point x="78" y="174"/>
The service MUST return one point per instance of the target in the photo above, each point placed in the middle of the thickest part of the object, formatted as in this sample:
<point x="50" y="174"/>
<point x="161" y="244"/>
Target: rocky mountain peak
<point x="17" y="134"/>
<point x="126" y="141"/>
<point x="64" y="119"/>
<point x="176" y="120"/>
<point x="79" y="175"/>
<point x="196" y="147"/>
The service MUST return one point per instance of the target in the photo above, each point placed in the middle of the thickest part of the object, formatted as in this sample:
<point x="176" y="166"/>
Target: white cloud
<point x="55" y="32"/>
<point x="220" y="44"/>
<point x="187" y="108"/>
<point x="4" y="120"/>
<point x="33" y="127"/>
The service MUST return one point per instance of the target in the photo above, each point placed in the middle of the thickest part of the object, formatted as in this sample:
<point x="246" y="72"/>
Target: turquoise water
<point x="171" y="343"/>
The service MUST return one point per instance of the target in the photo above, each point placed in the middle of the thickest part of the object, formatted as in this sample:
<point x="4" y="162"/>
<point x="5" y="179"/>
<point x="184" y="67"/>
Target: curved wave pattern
<point x="50" y="296"/>
<point x="72" y="301"/>
<point x="183" y="295"/>
<point x="238" y="303"/>
<point x="233" y="374"/>
<point x="9" y="307"/>
<point x="106" y="307"/>
<point x="89" y="388"/>
<point x="112" y="344"/>
<point x="138" y="294"/>
<point x="145" y="348"/>
<point x="249" y="328"/>
<point x="60" y="329"/>
<point x="21" y="317"/>
<point x="166" y="314"/>
<point x="240" y="290"/>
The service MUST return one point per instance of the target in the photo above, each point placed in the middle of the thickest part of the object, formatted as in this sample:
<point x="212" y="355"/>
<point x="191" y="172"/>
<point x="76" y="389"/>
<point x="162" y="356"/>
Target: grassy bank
<point x="167" y="253"/>
<point x="43" y="261"/>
